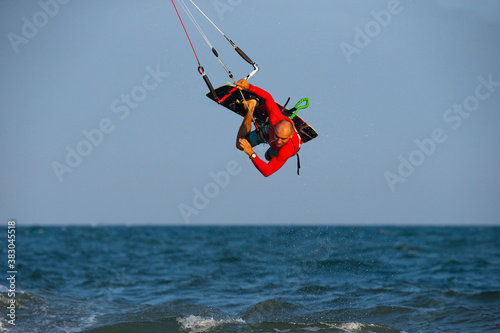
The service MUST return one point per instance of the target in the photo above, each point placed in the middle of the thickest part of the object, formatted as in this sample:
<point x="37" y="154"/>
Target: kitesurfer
<point x="279" y="133"/>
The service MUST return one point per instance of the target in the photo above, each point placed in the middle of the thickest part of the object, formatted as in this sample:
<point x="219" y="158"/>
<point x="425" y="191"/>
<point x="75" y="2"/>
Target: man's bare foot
<point x="250" y="105"/>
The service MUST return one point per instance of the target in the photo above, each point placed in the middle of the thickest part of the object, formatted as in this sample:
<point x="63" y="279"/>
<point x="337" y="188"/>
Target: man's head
<point x="283" y="132"/>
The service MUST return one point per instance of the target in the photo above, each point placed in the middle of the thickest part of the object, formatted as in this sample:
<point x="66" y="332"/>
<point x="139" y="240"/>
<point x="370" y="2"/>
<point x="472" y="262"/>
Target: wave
<point x="485" y="297"/>
<point x="200" y="324"/>
<point x="185" y="317"/>
<point x="270" y="310"/>
<point x="197" y="324"/>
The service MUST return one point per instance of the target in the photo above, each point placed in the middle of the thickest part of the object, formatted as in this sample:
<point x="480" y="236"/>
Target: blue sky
<point x="104" y="118"/>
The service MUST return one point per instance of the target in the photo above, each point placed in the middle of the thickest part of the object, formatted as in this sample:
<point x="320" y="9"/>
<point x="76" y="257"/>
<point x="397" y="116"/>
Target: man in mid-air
<point x="279" y="132"/>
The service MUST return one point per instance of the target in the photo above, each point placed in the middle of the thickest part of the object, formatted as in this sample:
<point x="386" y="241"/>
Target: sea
<point x="114" y="279"/>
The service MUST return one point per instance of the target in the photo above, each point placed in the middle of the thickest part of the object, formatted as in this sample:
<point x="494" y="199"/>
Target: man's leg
<point x="246" y="125"/>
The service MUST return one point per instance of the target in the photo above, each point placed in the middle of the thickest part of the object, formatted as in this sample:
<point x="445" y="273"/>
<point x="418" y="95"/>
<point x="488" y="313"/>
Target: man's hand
<point x="246" y="146"/>
<point x="242" y="84"/>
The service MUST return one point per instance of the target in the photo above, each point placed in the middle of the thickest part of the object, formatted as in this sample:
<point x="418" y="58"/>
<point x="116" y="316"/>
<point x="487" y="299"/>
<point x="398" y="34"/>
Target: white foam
<point x="351" y="326"/>
<point x="347" y="327"/>
<point x="312" y="329"/>
<point x="3" y="329"/>
<point x="197" y="324"/>
<point x="88" y="322"/>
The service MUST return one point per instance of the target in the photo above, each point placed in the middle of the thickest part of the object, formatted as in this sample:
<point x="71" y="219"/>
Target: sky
<point x="104" y="119"/>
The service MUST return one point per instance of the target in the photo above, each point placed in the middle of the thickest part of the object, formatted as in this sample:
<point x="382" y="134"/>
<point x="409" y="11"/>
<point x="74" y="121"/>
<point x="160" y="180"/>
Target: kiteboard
<point x="232" y="100"/>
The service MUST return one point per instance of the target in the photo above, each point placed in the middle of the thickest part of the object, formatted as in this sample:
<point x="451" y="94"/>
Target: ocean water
<point x="253" y="279"/>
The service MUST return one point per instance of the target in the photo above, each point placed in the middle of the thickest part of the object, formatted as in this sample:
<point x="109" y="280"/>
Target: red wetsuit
<point x="290" y="148"/>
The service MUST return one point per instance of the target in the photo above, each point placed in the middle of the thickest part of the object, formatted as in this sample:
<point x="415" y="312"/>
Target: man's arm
<point x="266" y="169"/>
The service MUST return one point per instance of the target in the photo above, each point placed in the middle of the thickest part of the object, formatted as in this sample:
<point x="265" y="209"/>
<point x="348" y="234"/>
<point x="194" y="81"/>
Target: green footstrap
<point x="298" y="107"/>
